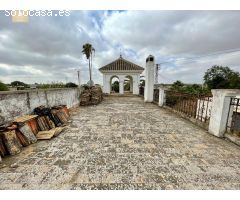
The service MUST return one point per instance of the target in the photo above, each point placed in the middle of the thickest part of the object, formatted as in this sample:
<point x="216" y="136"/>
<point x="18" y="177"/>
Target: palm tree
<point x="88" y="51"/>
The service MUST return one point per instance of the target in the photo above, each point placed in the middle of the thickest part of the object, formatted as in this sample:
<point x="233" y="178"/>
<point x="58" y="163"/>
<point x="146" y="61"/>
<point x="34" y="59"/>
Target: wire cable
<point x="207" y="55"/>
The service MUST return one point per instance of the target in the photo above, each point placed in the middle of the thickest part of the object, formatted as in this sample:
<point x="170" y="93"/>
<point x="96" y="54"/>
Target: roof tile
<point x="121" y="64"/>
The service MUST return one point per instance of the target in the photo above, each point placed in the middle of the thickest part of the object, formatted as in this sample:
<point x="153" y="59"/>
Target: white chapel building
<point x="122" y="70"/>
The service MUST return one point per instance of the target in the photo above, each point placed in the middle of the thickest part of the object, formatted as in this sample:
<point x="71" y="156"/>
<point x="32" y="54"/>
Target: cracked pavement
<point x="124" y="143"/>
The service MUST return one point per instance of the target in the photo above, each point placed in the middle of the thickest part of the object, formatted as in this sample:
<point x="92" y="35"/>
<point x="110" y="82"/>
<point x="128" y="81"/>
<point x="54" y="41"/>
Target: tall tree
<point x="88" y="50"/>
<point x="115" y="86"/>
<point x="218" y="77"/>
<point x="70" y="85"/>
<point x="177" y="85"/>
<point x="18" y="83"/>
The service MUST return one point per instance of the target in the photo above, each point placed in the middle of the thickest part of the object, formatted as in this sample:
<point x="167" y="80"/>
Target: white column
<point x="162" y="97"/>
<point x="220" y="109"/>
<point x="135" y="84"/>
<point x="149" y="79"/>
<point x="108" y="84"/>
<point x="121" y="84"/>
<point x="131" y="84"/>
<point x="104" y="84"/>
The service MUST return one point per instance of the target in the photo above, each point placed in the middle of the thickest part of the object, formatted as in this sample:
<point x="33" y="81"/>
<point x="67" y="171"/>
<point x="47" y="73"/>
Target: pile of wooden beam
<point x="96" y="95"/>
<point x="45" y="123"/>
<point x="20" y="133"/>
<point x="85" y="97"/>
<point x="91" y="95"/>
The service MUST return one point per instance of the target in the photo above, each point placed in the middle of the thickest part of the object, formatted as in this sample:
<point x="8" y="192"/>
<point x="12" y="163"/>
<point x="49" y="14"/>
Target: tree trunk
<point x="90" y="74"/>
<point x="91" y="64"/>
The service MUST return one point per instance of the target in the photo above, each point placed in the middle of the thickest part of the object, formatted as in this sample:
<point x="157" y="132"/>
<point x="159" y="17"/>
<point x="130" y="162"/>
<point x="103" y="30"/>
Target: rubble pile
<point x="44" y="123"/>
<point x="85" y="96"/>
<point x="91" y="95"/>
<point x="96" y="95"/>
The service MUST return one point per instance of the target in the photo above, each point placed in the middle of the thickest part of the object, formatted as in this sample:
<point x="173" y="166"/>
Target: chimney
<point x="149" y="79"/>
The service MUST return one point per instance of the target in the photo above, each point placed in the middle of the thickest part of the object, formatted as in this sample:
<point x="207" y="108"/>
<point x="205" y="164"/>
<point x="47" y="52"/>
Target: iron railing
<point x="193" y="106"/>
<point x="204" y="107"/>
<point x="233" y="122"/>
<point x="156" y="95"/>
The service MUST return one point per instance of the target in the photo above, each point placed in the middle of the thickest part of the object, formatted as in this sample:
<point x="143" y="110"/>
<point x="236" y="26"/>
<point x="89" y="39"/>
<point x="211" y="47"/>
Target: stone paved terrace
<point x="124" y="143"/>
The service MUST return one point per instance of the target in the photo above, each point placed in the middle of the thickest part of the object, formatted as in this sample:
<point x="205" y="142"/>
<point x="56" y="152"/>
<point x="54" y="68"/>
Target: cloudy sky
<point x="49" y="49"/>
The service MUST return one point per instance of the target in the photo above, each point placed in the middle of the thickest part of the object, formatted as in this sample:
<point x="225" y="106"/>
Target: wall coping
<point x="126" y="72"/>
<point x="35" y="90"/>
<point x="226" y="92"/>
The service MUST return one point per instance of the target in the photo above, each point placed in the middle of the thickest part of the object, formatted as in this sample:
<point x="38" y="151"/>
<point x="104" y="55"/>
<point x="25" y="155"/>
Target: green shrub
<point x="3" y="87"/>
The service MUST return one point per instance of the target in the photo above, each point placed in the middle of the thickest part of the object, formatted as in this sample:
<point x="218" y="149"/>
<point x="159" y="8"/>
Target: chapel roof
<point x="121" y="64"/>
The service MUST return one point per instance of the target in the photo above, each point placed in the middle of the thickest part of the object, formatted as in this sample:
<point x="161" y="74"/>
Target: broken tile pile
<point x="45" y="123"/>
<point x="91" y="95"/>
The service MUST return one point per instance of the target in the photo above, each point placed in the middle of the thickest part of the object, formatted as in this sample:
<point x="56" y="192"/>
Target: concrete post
<point x="162" y="97"/>
<point x="220" y="109"/>
<point x="149" y="79"/>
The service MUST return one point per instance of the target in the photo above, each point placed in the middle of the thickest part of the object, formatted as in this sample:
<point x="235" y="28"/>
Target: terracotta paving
<point x="124" y="143"/>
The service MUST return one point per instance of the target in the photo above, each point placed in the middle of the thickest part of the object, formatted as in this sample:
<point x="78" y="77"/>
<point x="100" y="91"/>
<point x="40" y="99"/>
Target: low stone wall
<point x="17" y="103"/>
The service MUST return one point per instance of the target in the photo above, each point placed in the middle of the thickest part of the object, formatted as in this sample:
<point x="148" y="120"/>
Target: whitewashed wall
<point x="18" y="103"/>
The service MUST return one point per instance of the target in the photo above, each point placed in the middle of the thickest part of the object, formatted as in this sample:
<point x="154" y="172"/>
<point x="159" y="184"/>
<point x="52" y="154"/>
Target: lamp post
<point x="78" y="73"/>
<point x="156" y="73"/>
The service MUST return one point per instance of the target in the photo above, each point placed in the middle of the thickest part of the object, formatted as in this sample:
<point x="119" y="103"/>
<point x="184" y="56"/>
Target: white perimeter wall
<point x="18" y="103"/>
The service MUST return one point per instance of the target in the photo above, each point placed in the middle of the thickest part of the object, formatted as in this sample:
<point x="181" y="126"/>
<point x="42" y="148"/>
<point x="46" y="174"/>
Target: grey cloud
<point x="175" y="32"/>
<point x="49" y="48"/>
<point x="48" y="43"/>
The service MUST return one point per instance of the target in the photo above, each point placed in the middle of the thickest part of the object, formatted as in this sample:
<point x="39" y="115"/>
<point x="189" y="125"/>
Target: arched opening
<point x="128" y="84"/>
<point x="141" y="85"/>
<point x="114" y="84"/>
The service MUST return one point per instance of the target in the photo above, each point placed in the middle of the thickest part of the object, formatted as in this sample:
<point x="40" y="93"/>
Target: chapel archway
<point x="114" y="84"/>
<point x="128" y="84"/>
